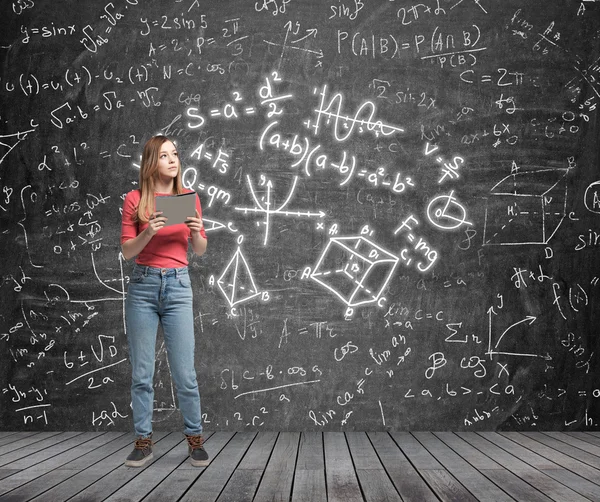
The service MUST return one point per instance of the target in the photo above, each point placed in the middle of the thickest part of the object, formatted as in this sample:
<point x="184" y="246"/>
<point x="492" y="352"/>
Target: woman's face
<point x="168" y="162"/>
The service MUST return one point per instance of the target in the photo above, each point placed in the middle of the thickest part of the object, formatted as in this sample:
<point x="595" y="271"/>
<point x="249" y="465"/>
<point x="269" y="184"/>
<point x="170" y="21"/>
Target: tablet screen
<point x="176" y="207"/>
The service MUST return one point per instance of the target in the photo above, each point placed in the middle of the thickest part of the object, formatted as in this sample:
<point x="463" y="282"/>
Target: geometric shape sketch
<point x="355" y="269"/>
<point x="236" y="282"/>
<point x="526" y="208"/>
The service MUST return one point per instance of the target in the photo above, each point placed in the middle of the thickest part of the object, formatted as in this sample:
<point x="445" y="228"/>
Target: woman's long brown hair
<point x="149" y="174"/>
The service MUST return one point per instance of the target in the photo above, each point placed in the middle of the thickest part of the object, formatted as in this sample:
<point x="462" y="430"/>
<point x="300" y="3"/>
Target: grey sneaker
<point x="141" y="454"/>
<point x="198" y="455"/>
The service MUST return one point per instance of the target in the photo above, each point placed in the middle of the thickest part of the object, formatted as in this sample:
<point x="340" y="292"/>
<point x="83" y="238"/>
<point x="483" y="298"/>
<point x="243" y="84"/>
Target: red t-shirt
<point x="169" y="247"/>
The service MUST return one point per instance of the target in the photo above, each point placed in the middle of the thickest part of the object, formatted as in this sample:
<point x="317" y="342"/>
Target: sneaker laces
<point x="142" y="443"/>
<point x="195" y="442"/>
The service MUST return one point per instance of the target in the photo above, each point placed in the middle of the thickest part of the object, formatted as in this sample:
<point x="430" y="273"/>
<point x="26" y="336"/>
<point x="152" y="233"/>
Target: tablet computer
<point x="176" y="208"/>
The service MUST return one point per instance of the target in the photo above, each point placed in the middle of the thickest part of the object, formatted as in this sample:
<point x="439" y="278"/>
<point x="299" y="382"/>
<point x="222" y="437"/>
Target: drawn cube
<point x="526" y="208"/>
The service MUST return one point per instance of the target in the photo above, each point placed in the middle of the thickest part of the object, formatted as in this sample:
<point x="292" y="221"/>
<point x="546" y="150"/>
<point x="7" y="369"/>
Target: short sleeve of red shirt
<point x="168" y="248"/>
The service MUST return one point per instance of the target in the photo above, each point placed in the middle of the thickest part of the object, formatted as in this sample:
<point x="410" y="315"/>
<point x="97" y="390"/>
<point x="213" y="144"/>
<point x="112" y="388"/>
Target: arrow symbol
<point x="310" y="33"/>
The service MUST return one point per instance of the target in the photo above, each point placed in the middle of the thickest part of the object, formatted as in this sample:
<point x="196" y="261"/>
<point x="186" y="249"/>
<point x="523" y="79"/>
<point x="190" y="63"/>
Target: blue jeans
<point x="161" y="295"/>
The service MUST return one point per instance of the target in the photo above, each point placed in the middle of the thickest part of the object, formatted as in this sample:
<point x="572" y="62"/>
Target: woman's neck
<point x="163" y="187"/>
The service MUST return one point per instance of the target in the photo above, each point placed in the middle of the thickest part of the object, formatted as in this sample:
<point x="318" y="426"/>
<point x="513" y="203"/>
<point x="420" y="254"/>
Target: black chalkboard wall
<point x="402" y="203"/>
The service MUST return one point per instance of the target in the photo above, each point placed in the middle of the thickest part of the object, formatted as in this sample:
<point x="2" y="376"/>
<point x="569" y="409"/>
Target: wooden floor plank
<point x="576" y="442"/>
<point x="406" y="479"/>
<point x="556" y="453"/>
<point x="374" y="481"/>
<point x="415" y="451"/>
<point x="242" y="485"/>
<point x="285" y="452"/>
<point x="11" y="452"/>
<point x="260" y="451"/>
<point x="244" y="481"/>
<point x="109" y="475"/>
<point x="174" y="485"/>
<point x="446" y="486"/>
<point x="337" y="454"/>
<point x="4" y="473"/>
<point x="276" y="483"/>
<point x="583" y="452"/>
<point x="309" y="485"/>
<point x="49" y="459"/>
<point x="116" y="452"/>
<point x="310" y="452"/>
<point x="309" y="479"/>
<point x="23" y="439"/>
<point x="493" y="470"/>
<point x="470" y="454"/>
<point x="510" y="462"/>
<point x="342" y="483"/>
<point x="84" y="455"/>
<point x="376" y="486"/>
<point x="363" y="454"/>
<point x="16" y="436"/>
<point x="217" y="474"/>
<point x="540" y="466"/>
<point x="441" y="482"/>
<point x="532" y="468"/>
<point x="480" y="486"/>
<point x="60" y="453"/>
<point x="110" y="440"/>
<point x="524" y="454"/>
<point x="585" y="487"/>
<point x="516" y="487"/>
<point x="584" y="436"/>
<point x="178" y="482"/>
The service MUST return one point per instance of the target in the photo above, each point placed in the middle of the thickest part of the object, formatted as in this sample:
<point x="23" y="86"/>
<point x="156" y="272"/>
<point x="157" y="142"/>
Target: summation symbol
<point x="264" y="205"/>
<point x="356" y="270"/>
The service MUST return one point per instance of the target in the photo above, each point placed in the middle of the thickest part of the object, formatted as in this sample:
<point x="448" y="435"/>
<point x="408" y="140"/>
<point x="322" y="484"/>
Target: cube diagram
<point x="354" y="269"/>
<point x="526" y="208"/>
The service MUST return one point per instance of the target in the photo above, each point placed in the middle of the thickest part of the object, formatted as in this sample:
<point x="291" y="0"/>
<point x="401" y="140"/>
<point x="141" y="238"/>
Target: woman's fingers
<point x="194" y="223"/>
<point x="156" y="222"/>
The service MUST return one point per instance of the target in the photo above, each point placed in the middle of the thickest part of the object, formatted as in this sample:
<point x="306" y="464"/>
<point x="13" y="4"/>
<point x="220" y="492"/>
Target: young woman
<point x="160" y="291"/>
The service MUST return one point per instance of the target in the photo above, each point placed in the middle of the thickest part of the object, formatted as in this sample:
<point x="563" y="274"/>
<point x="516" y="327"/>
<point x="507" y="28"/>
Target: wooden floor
<point x="312" y="466"/>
